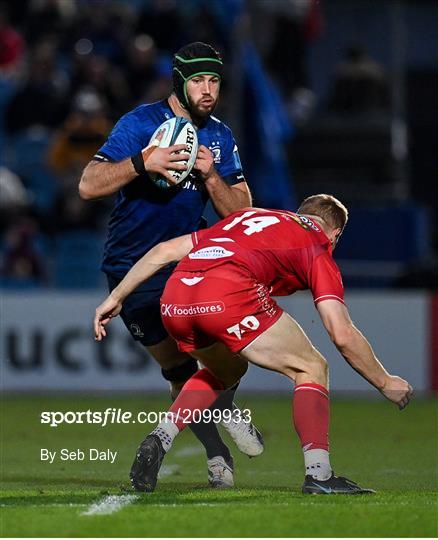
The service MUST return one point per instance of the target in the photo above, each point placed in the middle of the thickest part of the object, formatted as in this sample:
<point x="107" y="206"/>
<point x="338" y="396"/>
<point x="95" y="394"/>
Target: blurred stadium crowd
<point x="70" y="68"/>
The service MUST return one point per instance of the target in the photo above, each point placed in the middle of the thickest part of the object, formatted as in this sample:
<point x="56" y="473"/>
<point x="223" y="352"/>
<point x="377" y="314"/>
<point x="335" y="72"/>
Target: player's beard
<point x="198" y="110"/>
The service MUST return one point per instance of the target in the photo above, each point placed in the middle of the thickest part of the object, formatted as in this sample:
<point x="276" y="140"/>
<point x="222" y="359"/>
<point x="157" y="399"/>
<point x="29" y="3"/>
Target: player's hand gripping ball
<point x="176" y="130"/>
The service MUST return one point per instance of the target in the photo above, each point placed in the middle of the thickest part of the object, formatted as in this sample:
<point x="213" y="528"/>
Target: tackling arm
<point x="356" y="350"/>
<point x="154" y="260"/>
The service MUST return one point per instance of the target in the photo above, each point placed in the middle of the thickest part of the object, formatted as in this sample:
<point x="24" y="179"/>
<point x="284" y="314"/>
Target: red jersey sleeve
<point x="325" y="279"/>
<point x="197" y="236"/>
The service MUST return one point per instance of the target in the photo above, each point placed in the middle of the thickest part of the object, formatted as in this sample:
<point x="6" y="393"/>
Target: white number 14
<point x="254" y="225"/>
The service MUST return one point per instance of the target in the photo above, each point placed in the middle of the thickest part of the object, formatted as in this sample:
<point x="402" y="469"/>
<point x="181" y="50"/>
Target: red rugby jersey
<point x="286" y="252"/>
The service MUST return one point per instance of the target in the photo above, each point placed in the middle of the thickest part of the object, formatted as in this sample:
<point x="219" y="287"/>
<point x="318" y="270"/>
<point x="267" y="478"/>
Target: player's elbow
<point x="166" y="253"/>
<point x="87" y="183"/>
<point x="84" y="191"/>
<point x="342" y="335"/>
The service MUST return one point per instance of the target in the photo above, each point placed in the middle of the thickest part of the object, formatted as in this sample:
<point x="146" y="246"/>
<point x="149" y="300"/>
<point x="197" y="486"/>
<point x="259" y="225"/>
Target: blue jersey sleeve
<point x="231" y="168"/>
<point x="125" y="140"/>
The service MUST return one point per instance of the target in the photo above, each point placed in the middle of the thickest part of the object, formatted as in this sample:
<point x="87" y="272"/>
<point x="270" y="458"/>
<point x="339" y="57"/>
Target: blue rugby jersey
<point x="144" y="214"/>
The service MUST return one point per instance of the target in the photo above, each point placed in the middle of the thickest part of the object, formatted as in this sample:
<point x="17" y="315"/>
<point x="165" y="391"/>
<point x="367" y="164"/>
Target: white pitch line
<point x="109" y="505"/>
<point x="113" y="503"/>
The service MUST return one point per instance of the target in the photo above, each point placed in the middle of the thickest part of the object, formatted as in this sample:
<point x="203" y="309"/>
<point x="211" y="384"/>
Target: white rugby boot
<point x="246" y="436"/>
<point x="220" y="472"/>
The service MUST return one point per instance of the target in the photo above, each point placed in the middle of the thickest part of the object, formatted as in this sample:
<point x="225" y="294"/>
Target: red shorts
<point x="222" y="304"/>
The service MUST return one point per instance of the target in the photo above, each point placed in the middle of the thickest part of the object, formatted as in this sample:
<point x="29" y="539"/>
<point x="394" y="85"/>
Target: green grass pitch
<point x="372" y="442"/>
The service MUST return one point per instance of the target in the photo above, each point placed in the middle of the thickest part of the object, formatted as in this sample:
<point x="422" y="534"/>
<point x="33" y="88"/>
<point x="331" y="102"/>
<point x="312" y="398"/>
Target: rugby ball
<point x="176" y="130"/>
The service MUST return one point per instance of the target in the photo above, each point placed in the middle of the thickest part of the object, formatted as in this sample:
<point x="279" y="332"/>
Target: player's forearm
<point x="225" y="198"/>
<point x="101" y="179"/>
<point x="154" y="260"/>
<point x="358" y="353"/>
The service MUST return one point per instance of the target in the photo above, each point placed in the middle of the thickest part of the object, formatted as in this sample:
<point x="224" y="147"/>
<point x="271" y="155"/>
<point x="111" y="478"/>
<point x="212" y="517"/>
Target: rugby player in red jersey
<point x="217" y="305"/>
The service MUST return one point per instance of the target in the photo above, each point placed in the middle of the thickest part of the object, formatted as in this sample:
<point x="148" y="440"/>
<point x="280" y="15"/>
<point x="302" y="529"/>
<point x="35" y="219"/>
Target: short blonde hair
<point x="328" y="208"/>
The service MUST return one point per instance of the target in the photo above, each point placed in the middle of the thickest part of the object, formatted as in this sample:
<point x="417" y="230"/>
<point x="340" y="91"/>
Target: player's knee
<point x="313" y="366"/>
<point x="319" y="370"/>
<point x="181" y="373"/>
<point x="289" y="368"/>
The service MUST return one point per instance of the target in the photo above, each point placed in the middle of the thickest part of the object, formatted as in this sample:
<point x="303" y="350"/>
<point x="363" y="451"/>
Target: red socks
<point x="311" y="414"/>
<point x="199" y="392"/>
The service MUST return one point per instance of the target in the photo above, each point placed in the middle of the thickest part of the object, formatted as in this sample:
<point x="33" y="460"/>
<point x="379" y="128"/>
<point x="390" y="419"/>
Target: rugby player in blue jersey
<point x="145" y="215"/>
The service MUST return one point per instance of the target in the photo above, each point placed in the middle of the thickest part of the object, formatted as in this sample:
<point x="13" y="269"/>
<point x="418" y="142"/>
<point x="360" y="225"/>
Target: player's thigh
<point x="228" y="367"/>
<point x="285" y="348"/>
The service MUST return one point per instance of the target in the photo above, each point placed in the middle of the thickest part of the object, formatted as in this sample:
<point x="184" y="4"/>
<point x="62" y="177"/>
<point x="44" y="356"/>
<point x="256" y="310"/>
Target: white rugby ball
<point x="177" y="130"/>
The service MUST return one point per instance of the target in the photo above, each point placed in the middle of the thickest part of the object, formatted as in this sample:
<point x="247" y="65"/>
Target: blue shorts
<point x="141" y="309"/>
